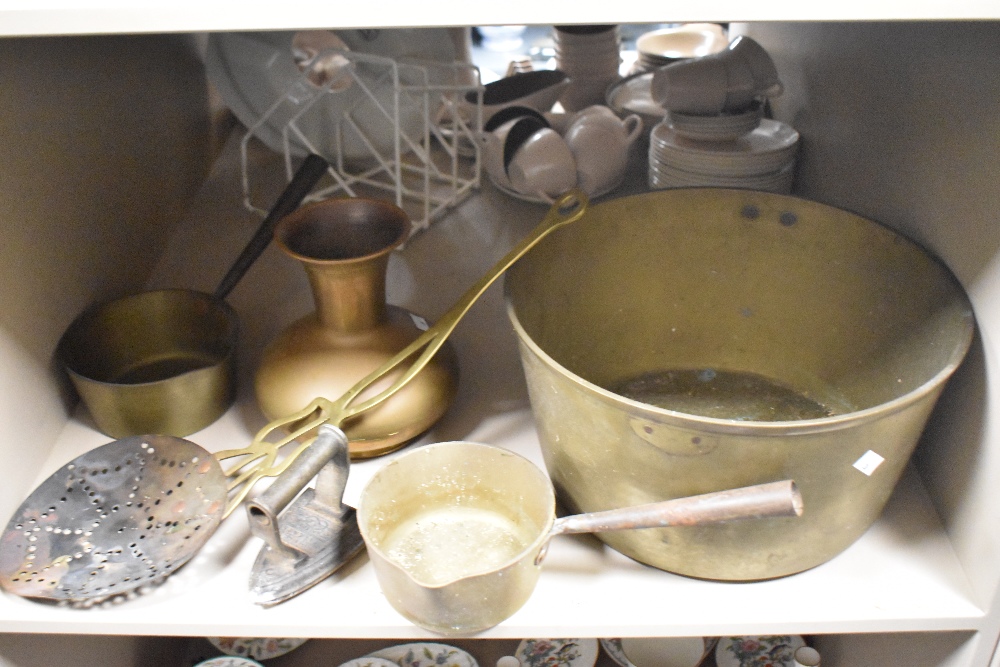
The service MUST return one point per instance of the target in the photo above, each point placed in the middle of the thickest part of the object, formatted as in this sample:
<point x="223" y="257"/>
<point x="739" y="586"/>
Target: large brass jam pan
<point x="795" y="304"/>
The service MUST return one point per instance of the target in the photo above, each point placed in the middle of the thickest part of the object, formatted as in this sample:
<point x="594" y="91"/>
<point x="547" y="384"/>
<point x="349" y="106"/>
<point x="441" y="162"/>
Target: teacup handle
<point x="633" y="126"/>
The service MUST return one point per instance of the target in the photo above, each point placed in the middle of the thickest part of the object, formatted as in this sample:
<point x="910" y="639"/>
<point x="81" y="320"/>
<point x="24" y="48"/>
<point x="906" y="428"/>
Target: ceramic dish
<point x="772" y="650"/>
<point x="537" y="90"/>
<point x="229" y="661"/>
<point x="258" y="648"/>
<point x="536" y="199"/>
<point x="781" y="181"/>
<point x="632" y="95"/>
<point x="557" y="652"/>
<point x="671" y="652"/>
<point x="768" y="148"/>
<point x="721" y="127"/>
<point x="664" y="651"/>
<point x="425" y="655"/>
<point x="613" y="647"/>
<point x="694" y="40"/>
<point x="369" y="661"/>
<point x="252" y="71"/>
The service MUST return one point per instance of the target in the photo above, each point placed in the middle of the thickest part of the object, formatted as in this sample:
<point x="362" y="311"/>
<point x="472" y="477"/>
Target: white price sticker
<point x="868" y="462"/>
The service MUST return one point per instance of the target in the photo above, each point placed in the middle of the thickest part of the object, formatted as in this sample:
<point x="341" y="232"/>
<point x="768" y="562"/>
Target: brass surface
<point x="399" y="370"/>
<point x="470" y="475"/>
<point x="344" y="246"/>
<point x="457" y="531"/>
<point x="164" y="362"/>
<point x="156" y="362"/>
<point x="841" y="309"/>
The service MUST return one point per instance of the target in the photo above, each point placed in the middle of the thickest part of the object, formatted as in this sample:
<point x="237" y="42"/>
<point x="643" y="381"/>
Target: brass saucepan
<point x="164" y="361"/>
<point x="457" y="531"/>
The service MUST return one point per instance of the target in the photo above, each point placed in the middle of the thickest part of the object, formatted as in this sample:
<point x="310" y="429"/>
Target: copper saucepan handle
<point x="773" y="499"/>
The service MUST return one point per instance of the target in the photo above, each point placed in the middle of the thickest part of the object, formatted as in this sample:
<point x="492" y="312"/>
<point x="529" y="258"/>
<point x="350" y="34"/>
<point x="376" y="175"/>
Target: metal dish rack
<point x="431" y="163"/>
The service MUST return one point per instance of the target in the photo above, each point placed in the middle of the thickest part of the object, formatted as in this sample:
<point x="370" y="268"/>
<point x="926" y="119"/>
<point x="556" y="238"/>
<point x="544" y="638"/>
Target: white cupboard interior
<point x="120" y="172"/>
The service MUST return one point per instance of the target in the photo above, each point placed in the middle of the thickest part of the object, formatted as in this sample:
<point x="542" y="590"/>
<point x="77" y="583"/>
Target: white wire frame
<point x="428" y="177"/>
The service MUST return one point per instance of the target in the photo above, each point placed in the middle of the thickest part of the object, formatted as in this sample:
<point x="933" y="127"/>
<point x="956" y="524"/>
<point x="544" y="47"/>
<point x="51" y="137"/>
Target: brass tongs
<point x="261" y="456"/>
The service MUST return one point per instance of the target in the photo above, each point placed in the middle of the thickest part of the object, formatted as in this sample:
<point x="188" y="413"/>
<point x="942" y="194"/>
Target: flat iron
<point x="309" y="535"/>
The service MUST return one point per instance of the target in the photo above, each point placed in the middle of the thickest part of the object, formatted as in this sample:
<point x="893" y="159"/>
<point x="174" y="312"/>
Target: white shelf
<point x="55" y="17"/>
<point x="902" y="575"/>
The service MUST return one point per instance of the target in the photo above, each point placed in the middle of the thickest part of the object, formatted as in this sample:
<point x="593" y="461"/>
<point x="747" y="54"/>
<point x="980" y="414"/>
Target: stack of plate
<point x="762" y="159"/>
<point x="716" y="127"/>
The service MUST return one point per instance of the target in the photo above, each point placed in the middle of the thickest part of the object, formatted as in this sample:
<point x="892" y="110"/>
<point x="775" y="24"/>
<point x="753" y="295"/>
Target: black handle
<point x="305" y="178"/>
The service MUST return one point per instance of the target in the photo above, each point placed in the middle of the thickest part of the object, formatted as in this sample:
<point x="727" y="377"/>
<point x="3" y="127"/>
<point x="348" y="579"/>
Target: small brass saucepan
<point x="457" y="531"/>
<point x="164" y="361"/>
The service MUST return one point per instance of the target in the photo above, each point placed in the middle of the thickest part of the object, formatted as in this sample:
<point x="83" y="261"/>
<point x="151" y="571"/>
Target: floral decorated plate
<point x="426" y="655"/>
<point x="613" y="647"/>
<point x="257" y="648"/>
<point x="757" y="651"/>
<point x="557" y="652"/>
<point x="538" y="199"/>
<point x="660" y="651"/>
<point x="229" y="661"/>
<point x="369" y="661"/>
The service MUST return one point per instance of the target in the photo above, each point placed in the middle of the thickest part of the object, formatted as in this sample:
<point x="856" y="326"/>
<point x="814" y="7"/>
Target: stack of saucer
<point x="761" y="159"/>
<point x="725" y="126"/>
<point x="591" y="56"/>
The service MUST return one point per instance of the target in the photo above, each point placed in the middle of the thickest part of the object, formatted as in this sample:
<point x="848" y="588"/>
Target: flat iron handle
<point x="263" y="511"/>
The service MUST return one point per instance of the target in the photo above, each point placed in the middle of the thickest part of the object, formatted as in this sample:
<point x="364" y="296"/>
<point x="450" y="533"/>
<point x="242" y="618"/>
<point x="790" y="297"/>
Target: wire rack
<point x="405" y="127"/>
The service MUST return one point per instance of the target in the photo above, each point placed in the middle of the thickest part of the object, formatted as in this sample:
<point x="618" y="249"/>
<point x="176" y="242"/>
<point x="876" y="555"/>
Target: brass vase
<point x="344" y="246"/>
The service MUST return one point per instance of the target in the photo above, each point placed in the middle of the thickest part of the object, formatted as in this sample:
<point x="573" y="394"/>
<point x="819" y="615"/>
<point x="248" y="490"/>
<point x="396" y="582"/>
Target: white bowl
<point x="633" y="95"/>
<point x="229" y="661"/>
<point x="584" y="35"/>
<point x="691" y="41"/>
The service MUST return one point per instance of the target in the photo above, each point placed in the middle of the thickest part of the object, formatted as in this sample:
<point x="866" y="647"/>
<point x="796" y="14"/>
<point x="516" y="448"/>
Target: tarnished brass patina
<point x="677" y="290"/>
<point x="164" y="361"/>
<point x="156" y="362"/>
<point x="457" y="531"/>
<point x="344" y="246"/>
<point x="395" y="373"/>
